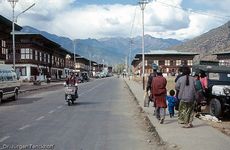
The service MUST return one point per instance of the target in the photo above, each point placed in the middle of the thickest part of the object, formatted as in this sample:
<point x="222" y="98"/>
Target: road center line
<point x="50" y="112"/>
<point x="40" y="118"/>
<point x="24" y="127"/>
<point x="4" y="138"/>
<point x="59" y="107"/>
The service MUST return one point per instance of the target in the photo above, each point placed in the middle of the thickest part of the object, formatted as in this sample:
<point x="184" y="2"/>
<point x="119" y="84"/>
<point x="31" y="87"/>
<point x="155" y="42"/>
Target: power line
<point x="131" y="41"/>
<point x="134" y="17"/>
<point x="194" y="11"/>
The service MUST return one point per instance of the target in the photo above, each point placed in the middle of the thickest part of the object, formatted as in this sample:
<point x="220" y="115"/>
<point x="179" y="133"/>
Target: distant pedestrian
<point x="159" y="94"/>
<point x="186" y="87"/>
<point x="171" y="99"/>
<point x="180" y="74"/>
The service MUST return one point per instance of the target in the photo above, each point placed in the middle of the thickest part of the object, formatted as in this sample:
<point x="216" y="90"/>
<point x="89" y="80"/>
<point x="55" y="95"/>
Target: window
<point x="146" y="62"/>
<point x="40" y="56"/>
<point x="21" y="71"/>
<point x="26" y="53"/>
<point x="178" y="62"/>
<point x="44" y="58"/>
<point x="221" y="62"/>
<point x="3" y="47"/>
<point x="190" y="63"/>
<point x="6" y="75"/>
<point x="48" y="58"/>
<point x="52" y="60"/>
<point x="36" y="55"/>
<point x="156" y="62"/>
<point x="167" y="62"/>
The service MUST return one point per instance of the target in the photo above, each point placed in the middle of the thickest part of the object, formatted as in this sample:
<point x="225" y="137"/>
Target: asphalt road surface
<point x="104" y="118"/>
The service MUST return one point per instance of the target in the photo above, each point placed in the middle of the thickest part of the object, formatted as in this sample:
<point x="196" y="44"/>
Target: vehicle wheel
<point x="0" y="98"/>
<point x="215" y="107"/>
<point x="72" y="101"/>
<point x="15" y="97"/>
<point x="69" y="103"/>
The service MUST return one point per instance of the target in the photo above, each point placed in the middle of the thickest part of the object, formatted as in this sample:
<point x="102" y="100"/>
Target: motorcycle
<point x="71" y="93"/>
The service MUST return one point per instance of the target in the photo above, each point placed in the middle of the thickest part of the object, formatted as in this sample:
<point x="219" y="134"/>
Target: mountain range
<point x="213" y="41"/>
<point x="115" y="50"/>
<point x="109" y="50"/>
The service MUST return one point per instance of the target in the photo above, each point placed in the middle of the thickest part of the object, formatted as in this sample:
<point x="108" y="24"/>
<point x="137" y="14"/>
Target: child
<point x="171" y="102"/>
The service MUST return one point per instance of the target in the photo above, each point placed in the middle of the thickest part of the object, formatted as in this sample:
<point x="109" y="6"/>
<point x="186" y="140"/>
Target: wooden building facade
<point x="223" y="58"/>
<point x="168" y="60"/>
<point x="5" y="34"/>
<point x="36" y="55"/>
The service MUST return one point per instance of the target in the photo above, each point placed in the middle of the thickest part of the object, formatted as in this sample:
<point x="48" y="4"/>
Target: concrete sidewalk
<point x="200" y="137"/>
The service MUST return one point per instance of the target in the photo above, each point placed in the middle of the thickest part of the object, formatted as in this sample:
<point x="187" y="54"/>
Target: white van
<point x="9" y="86"/>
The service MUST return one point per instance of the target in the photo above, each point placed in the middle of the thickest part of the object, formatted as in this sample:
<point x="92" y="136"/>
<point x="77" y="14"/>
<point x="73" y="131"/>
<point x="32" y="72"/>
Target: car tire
<point x="0" y="98"/>
<point x="15" y="97"/>
<point x="215" y="108"/>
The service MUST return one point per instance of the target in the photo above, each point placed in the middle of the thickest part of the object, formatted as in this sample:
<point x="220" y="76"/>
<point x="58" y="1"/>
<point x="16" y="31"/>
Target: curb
<point x="152" y="127"/>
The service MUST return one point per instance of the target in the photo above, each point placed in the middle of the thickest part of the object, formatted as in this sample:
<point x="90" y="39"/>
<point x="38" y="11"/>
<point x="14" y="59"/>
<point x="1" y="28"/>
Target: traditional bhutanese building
<point x="168" y="60"/>
<point x="5" y="34"/>
<point x="223" y="58"/>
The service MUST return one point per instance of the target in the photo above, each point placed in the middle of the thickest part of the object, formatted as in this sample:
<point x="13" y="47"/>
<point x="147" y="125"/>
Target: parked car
<point x="218" y="93"/>
<point x="9" y="85"/>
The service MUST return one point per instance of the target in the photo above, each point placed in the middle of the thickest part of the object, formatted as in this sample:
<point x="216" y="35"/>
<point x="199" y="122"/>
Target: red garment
<point x="204" y="82"/>
<point x="159" y="91"/>
<point x="71" y="80"/>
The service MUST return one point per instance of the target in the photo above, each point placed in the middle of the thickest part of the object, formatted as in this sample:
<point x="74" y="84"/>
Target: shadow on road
<point x="20" y="101"/>
<point x="87" y="103"/>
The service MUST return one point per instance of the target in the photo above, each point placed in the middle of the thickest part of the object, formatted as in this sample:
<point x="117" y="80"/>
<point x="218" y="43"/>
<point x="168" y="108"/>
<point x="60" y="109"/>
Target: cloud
<point x="67" y="18"/>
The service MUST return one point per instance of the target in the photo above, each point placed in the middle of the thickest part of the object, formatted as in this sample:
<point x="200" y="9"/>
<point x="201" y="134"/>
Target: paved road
<point x="104" y="118"/>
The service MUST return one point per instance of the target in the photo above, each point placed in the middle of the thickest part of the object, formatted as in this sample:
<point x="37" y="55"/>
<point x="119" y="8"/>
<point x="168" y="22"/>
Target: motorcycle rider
<point x="72" y="81"/>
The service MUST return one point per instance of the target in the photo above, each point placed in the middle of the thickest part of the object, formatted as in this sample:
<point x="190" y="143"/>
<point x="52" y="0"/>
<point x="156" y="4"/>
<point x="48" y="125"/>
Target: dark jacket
<point x="149" y="82"/>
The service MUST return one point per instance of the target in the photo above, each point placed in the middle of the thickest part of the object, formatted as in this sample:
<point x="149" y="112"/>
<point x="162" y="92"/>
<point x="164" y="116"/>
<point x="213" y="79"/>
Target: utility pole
<point x="130" y="50"/>
<point x="90" y="65"/>
<point x="143" y="4"/>
<point x="74" y="54"/>
<point x="13" y="4"/>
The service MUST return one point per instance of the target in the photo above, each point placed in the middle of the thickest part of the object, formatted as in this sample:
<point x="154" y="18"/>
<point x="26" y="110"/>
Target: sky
<point x="82" y="19"/>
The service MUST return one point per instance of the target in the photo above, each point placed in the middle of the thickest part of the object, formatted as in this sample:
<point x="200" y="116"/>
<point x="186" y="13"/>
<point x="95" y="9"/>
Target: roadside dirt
<point x="224" y="126"/>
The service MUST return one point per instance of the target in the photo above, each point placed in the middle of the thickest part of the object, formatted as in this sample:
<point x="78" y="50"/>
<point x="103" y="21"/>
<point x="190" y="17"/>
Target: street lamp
<point x="13" y="4"/>
<point x="143" y="4"/>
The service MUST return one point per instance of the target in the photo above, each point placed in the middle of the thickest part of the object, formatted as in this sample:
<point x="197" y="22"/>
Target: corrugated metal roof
<point x="168" y="52"/>
<point x="220" y="53"/>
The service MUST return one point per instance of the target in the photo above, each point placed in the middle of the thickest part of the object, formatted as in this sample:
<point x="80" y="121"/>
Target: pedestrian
<point x="186" y="87"/>
<point x="159" y="93"/>
<point x="149" y="87"/>
<point x="199" y="93"/>
<point x="171" y="99"/>
<point x="180" y="74"/>
<point x="204" y="82"/>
